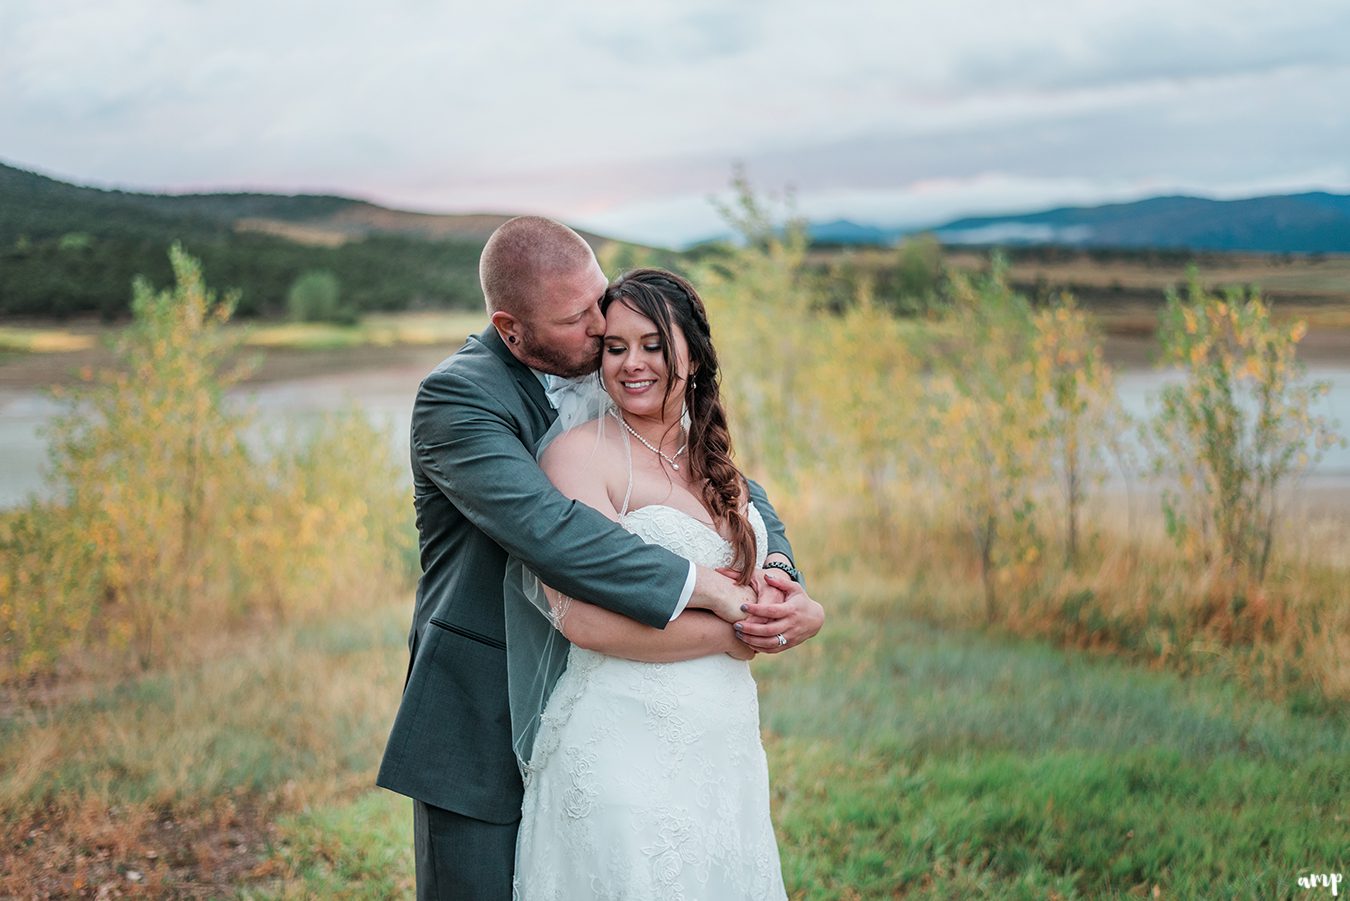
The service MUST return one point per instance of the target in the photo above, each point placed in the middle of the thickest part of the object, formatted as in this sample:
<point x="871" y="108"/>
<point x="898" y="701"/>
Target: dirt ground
<point x="136" y="853"/>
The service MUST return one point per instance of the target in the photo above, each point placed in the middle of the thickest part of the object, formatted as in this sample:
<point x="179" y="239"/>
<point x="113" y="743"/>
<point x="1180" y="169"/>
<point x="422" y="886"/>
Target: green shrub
<point x="316" y="296"/>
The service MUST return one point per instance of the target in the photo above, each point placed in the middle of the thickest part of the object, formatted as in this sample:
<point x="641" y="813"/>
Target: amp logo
<point x="1321" y="880"/>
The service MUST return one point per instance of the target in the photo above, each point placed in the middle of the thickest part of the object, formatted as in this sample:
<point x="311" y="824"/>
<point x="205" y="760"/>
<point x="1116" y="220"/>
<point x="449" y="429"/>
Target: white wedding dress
<point x="649" y="781"/>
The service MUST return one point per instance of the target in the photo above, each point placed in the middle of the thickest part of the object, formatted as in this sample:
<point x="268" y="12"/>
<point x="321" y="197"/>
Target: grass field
<point x="1317" y="279"/>
<point x="1125" y="291"/>
<point x="907" y="761"/>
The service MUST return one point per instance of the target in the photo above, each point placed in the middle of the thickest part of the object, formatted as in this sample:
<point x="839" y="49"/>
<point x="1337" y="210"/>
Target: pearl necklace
<point x="669" y="458"/>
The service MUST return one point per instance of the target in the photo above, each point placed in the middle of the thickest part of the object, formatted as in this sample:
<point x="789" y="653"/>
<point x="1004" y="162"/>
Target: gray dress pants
<point x="461" y="858"/>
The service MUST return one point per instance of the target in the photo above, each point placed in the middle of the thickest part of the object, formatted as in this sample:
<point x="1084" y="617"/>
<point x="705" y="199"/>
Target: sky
<point x="627" y="118"/>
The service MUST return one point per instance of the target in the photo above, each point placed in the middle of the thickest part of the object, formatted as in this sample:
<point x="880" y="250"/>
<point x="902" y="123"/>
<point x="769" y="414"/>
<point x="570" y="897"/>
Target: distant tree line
<point x="82" y="274"/>
<point x="70" y="251"/>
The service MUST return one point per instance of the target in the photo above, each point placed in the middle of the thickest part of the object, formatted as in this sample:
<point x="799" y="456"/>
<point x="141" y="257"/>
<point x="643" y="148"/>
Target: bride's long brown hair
<point x="670" y="301"/>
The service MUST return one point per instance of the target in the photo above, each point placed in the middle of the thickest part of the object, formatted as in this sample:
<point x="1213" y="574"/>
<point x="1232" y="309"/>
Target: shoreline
<point x="34" y="371"/>
<point x="1137" y="352"/>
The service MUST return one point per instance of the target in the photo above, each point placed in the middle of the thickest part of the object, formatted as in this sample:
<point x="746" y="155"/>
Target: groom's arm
<point x="467" y="443"/>
<point x="779" y="547"/>
<point x="581" y="467"/>
<point x="784" y="607"/>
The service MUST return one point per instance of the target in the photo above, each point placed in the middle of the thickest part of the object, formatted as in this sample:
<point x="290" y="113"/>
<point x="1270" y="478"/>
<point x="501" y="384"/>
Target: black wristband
<point x="785" y="567"/>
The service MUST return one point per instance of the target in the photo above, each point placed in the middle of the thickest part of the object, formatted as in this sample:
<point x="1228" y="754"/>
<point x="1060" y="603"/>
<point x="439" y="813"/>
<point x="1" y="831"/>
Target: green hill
<point x="67" y="250"/>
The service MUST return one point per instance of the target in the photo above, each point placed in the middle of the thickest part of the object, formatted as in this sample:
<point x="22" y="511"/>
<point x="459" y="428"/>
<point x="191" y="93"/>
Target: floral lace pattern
<point x="649" y="781"/>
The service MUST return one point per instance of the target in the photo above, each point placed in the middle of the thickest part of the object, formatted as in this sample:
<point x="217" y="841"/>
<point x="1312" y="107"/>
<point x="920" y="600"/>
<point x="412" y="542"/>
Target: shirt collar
<point x="550" y="383"/>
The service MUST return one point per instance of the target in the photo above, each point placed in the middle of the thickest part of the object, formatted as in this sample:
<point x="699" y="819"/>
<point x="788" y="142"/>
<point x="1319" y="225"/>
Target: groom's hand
<point x="796" y="618"/>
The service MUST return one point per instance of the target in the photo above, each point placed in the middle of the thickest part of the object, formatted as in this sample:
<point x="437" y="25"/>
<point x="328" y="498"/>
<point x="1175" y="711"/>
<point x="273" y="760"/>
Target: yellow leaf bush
<point x="167" y="525"/>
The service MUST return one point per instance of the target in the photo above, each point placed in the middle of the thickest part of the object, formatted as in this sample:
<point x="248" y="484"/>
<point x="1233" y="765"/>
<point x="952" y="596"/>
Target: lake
<point x="386" y="394"/>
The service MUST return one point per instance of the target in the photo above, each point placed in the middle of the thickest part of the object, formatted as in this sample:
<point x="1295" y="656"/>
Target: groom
<point x="480" y="497"/>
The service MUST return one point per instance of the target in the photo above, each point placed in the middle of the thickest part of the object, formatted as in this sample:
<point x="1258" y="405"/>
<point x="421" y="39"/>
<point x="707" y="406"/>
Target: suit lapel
<point x="523" y="375"/>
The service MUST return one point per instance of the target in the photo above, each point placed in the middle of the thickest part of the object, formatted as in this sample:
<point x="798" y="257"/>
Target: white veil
<point x="536" y="651"/>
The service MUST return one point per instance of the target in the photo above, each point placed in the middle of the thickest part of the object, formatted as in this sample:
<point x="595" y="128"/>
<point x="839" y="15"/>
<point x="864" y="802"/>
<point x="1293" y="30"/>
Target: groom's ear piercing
<point x="511" y="338"/>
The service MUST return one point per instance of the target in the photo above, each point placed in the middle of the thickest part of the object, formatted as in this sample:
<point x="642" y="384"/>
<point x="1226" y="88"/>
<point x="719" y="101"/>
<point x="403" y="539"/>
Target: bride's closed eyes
<point x="651" y="342"/>
<point x="613" y="346"/>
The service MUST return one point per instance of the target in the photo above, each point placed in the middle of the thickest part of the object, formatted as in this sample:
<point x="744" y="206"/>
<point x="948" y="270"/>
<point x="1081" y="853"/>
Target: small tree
<point x="985" y="421"/>
<point x="1236" y="429"/>
<point x="920" y="275"/>
<point x="165" y="525"/>
<point x="316" y="296"/>
<point x="149" y="456"/>
<point x="1075" y="384"/>
<point x="867" y="380"/>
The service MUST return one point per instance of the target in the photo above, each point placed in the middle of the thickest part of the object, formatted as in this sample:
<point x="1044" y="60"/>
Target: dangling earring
<point x="687" y="421"/>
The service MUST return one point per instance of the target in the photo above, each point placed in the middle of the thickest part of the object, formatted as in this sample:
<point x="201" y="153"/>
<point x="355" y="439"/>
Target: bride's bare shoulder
<point x="588" y="444"/>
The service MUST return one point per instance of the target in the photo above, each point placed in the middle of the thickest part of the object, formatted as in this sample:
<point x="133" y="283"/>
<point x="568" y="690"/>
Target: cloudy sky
<point x="626" y="117"/>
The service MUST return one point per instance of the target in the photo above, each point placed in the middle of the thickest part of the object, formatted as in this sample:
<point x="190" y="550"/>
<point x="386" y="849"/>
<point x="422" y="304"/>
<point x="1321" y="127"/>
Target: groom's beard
<point x="547" y="358"/>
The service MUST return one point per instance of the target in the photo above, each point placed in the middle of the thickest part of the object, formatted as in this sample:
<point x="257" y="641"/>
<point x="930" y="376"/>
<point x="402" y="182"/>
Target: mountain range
<point x="1316" y="222"/>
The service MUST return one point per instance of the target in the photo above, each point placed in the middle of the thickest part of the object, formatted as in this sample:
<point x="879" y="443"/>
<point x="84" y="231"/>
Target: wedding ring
<point x="782" y="642"/>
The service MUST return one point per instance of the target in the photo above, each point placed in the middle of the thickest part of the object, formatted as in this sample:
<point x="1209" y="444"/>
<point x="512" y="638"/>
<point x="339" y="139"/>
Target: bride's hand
<point x="719" y="594"/>
<point x="765" y="591"/>
<point x="740" y="650"/>
<point x="775" y="627"/>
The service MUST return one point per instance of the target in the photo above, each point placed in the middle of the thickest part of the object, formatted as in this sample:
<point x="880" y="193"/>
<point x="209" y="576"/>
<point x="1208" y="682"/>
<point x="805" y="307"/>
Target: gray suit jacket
<point x="481" y="497"/>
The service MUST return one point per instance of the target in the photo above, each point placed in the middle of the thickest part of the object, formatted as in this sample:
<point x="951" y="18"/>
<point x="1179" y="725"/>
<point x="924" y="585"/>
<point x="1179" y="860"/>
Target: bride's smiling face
<point x="634" y="370"/>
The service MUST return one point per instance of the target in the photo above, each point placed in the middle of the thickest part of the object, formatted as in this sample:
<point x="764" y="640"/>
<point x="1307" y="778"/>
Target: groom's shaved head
<point x="524" y="253"/>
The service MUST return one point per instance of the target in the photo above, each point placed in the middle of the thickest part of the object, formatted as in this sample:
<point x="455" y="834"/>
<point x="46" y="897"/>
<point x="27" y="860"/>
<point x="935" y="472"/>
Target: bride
<point x="648" y="780"/>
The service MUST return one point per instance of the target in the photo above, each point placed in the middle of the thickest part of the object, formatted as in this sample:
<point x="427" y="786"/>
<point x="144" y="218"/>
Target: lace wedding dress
<point x="649" y="781"/>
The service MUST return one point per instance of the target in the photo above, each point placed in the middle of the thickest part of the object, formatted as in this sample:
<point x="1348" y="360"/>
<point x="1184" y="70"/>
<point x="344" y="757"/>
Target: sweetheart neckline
<point x="684" y="513"/>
